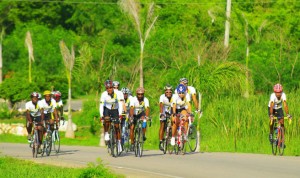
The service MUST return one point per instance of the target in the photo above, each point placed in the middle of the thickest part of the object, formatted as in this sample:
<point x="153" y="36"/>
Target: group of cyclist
<point x="120" y="104"/>
<point x="41" y="111"/>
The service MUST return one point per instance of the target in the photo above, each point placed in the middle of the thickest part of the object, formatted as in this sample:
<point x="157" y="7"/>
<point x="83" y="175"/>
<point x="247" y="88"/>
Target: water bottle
<point x="144" y="124"/>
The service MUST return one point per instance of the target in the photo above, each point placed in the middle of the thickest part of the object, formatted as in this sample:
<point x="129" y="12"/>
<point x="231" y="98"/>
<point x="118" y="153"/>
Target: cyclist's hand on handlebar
<point x="162" y="115"/>
<point x="271" y="117"/>
<point x="289" y="116"/>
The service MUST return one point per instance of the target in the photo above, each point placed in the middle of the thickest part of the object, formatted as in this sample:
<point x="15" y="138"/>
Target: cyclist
<point x="110" y="102"/>
<point x="116" y="86"/>
<point x="34" y="113"/>
<point x="127" y="97"/>
<point x="276" y="103"/>
<point x="59" y="104"/>
<point x="50" y="112"/>
<point x="165" y="103"/>
<point x="181" y="106"/>
<point x="139" y="109"/>
<point x="191" y="91"/>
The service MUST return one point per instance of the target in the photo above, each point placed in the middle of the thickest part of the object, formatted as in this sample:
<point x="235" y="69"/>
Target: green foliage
<point x="4" y="111"/>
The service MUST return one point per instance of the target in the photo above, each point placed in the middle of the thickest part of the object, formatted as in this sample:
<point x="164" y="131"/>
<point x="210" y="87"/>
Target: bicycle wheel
<point x="56" y="141"/>
<point x="35" y="144"/>
<point x="167" y="139"/>
<point x="280" y="143"/>
<point x="141" y="142"/>
<point x="136" y="142"/>
<point x="113" y="142"/>
<point x="274" y="143"/>
<point x="126" y="144"/>
<point x="192" y="138"/>
<point x="48" y="142"/>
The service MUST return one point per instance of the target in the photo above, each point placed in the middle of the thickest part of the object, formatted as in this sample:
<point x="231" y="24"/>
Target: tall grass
<point x="242" y="125"/>
<point x="12" y="167"/>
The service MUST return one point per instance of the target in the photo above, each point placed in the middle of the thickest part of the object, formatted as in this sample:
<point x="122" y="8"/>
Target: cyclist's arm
<point x="55" y="114"/>
<point x="147" y="111"/>
<point x="42" y="114"/>
<point x="131" y="111"/>
<point x="161" y="105"/>
<point x="28" y="116"/>
<point x="271" y="107"/>
<point x="189" y="109"/>
<point x="286" y="109"/>
<point x="194" y="97"/>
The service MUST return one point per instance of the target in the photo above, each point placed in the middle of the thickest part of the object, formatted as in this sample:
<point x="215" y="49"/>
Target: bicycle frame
<point x="278" y="141"/>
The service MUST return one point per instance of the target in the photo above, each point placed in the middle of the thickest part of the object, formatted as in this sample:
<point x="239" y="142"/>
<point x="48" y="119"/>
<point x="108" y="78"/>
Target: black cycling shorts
<point x="136" y="117"/>
<point x="36" y="119"/>
<point x="277" y="113"/>
<point x="112" y="113"/>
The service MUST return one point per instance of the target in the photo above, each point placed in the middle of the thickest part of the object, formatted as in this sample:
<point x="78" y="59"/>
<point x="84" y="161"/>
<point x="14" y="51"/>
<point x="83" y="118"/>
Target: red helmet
<point x="34" y="94"/>
<point x="277" y="88"/>
<point x="140" y="90"/>
<point x="57" y="94"/>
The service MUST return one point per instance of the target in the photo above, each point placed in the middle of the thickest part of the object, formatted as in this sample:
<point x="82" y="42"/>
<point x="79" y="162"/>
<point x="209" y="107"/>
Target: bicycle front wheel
<point x="113" y="143"/>
<point x="56" y="141"/>
<point x="192" y="138"/>
<point x="35" y="144"/>
<point x="280" y="144"/>
<point x="139" y="142"/>
<point x="48" y="143"/>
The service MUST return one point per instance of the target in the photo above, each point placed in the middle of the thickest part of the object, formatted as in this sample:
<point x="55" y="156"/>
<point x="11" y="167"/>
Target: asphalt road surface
<point x="155" y="164"/>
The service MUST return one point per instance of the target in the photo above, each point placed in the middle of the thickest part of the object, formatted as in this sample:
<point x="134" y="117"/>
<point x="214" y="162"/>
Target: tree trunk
<point x="141" y="64"/>
<point x="69" y="131"/>
<point x="1" y="61"/>
<point x="246" y="94"/>
<point x="227" y="24"/>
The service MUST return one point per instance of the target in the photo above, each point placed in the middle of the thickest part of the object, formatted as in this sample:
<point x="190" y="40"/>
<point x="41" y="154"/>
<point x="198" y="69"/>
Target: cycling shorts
<point x="277" y="113"/>
<point x="137" y="117"/>
<point x="112" y="113"/>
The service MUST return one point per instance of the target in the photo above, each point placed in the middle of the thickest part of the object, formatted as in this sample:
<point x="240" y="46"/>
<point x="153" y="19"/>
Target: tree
<point x="227" y="24"/>
<point x="143" y="27"/>
<point x="69" y="59"/>
<point x="28" y="42"/>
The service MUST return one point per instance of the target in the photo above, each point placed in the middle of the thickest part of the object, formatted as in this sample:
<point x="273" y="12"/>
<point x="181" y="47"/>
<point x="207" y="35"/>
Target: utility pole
<point x="227" y="24"/>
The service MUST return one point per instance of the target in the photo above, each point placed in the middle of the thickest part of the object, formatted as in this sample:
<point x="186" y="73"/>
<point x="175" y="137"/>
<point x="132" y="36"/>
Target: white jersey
<point x="167" y="104"/>
<point x="48" y="108"/>
<point x="127" y="103"/>
<point x="34" y="110"/>
<point x="139" y="106"/>
<point x="181" y="104"/>
<point x="277" y="102"/>
<point x="59" y="103"/>
<point x="111" y="102"/>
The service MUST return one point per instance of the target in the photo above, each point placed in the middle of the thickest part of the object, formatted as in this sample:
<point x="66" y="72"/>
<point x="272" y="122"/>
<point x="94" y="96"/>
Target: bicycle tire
<point x="192" y="138"/>
<point x="126" y="144"/>
<point x="136" y="140"/>
<point x="280" y="143"/>
<point x="141" y="142"/>
<point x="56" y="141"/>
<point x="167" y="139"/>
<point x="274" y="141"/>
<point x="48" y="142"/>
<point x="112" y="142"/>
<point x="35" y="145"/>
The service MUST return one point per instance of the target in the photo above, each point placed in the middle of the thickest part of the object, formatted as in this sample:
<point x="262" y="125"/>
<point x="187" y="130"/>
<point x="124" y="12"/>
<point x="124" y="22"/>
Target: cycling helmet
<point x="108" y="83"/>
<point x="57" y="94"/>
<point x="34" y="94"/>
<point x="168" y="87"/>
<point x="47" y="92"/>
<point x="125" y="90"/>
<point x="116" y="83"/>
<point x="140" y="90"/>
<point x="277" y="88"/>
<point x="40" y="96"/>
<point x="181" y="88"/>
<point x="183" y="80"/>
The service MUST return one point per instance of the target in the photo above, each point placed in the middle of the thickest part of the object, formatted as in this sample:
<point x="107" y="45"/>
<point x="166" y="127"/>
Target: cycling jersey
<point x="34" y="110"/>
<point x="127" y="103"/>
<point x="111" y="101"/>
<point x="59" y="103"/>
<point x="167" y="103"/>
<point x="48" y="108"/>
<point x="277" y="102"/>
<point x="181" y="103"/>
<point x="139" y="107"/>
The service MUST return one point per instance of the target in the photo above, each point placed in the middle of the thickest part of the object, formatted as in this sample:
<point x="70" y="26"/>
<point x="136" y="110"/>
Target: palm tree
<point x="28" y="42"/>
<point x="69" y="63"/>
<point x="133" y="9"/>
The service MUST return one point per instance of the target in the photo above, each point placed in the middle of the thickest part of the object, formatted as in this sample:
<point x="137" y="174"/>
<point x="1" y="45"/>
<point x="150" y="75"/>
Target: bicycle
<point x="112" y="145"/>
<point x="180" y="138"/>
<point x="139" y="137"/>
<point x="167" y="133"/>
<point x="47" y="145"/>
<point x="35" y="142"/>
<point x="278" y="142"/>
<point x="125" y="135"/>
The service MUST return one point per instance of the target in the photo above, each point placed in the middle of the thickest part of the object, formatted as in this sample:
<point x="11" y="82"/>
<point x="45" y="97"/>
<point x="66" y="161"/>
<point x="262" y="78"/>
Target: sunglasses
<point x="168" y="92"/>
<point x="140" y="94"/>
<point x="109" y="87"/>
<point x="181" y="93"/>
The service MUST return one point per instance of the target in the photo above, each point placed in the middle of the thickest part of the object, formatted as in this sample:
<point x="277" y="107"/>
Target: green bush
<point x="4" y="111"/>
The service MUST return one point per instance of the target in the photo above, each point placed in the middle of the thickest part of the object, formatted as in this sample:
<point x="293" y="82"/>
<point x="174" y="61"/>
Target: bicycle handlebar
<point x="290" y="120"/>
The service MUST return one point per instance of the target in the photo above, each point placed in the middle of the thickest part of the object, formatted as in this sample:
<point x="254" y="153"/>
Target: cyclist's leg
<point x="106" y="123"/>
<point x="271" y="125"/>
<point x="29" y="125"/>
<point x="132" y="126"/>
<point x="280" y="116"/>
<point x="184" y="118"/>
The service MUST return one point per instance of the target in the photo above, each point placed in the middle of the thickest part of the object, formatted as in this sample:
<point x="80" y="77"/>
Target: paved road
<point x="155" y="164"/>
